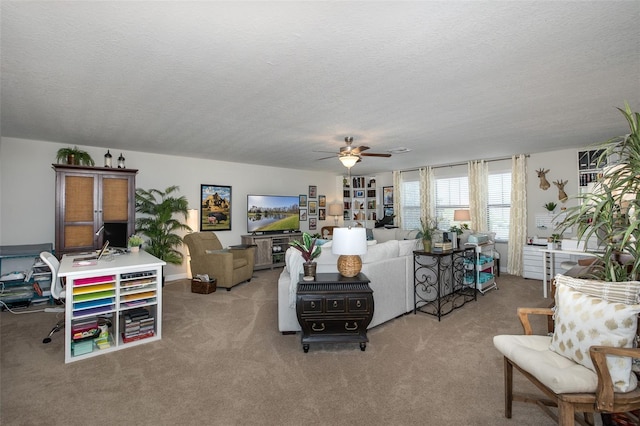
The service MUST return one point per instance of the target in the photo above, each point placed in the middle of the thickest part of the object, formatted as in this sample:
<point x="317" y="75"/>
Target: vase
<point x="134" y="249"/>
<point x="427" y="245"/>
<point x="309" y="269"/>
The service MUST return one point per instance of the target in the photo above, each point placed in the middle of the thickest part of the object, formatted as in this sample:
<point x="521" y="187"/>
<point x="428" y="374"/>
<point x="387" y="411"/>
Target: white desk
<point x="548" y="255"/>
<point x="111" y="289"/>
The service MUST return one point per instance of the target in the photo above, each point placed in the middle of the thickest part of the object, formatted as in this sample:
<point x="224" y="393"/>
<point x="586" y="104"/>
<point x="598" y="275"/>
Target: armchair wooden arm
<point x="605" y="395"/>
<point x="523" y="315"/>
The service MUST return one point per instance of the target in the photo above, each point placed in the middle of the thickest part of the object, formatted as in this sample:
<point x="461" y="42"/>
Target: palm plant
<point x="611" y="212"/>
<point x="159" y="224"/>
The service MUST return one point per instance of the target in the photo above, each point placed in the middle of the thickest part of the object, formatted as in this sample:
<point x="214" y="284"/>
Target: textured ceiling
<point x="271" y="82"/>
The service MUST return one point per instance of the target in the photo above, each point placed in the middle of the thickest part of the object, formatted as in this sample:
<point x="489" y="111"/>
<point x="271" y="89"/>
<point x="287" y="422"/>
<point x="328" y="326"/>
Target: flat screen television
<point x="117" y="233"/>
<point x="272" y="213"/>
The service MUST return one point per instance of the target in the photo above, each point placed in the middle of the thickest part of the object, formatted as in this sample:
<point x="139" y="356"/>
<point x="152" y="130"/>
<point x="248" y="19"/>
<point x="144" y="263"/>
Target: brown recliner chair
<point x="228" y="266"/>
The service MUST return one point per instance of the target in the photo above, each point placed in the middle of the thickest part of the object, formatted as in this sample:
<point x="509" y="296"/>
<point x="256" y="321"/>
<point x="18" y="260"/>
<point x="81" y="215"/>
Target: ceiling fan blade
<point x="326" y="158"/>
<point x="371" y="154"/>
<point x="330" y="152"/>
<point x="359" y="149"/>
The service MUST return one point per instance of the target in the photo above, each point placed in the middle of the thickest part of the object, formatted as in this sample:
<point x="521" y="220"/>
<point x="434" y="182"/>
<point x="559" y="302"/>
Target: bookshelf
<point x="360" y="200"/>
<point x="111" y="305"/>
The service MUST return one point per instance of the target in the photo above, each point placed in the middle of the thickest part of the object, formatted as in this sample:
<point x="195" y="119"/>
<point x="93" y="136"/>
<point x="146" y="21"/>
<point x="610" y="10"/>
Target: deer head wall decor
<point x="544" y="183"/>
<point x="562" y="196"/>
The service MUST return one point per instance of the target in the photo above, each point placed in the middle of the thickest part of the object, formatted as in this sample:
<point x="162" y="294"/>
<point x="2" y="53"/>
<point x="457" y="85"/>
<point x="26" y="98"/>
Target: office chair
<point x="57" y="290"/>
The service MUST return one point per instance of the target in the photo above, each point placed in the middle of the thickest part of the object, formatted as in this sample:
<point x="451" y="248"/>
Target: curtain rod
<point x="460" y="164"/>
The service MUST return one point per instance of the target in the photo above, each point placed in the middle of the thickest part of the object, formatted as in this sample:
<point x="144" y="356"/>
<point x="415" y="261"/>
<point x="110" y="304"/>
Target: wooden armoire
<point x="86" y="198"/>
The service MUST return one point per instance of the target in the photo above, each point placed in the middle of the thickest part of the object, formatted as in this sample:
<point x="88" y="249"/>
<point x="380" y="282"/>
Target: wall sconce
<point x="349" y="243"/>
<point x="335" y="210"/>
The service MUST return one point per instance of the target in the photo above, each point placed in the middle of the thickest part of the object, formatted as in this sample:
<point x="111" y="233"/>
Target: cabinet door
<point x="263" y="252"/>
<point x="78" y="216"/>
<point x="115" y="199"/>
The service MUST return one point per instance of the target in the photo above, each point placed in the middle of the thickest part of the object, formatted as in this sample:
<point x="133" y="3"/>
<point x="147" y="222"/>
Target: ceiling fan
<point x="349" y="155"/>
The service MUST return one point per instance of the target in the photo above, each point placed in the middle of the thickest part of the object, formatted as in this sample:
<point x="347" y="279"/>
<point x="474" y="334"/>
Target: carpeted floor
<point x="222" y="361"/>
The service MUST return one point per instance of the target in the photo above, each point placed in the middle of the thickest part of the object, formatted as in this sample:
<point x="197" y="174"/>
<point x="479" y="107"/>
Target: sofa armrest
<point x="523" y="315"/>
<point x="604" y="392"/>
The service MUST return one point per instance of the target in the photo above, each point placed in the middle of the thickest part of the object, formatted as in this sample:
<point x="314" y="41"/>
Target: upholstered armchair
<point x="228" y="266"/>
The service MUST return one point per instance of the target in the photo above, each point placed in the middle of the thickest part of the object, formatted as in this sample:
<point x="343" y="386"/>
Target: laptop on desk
<point x="92" y="259"/>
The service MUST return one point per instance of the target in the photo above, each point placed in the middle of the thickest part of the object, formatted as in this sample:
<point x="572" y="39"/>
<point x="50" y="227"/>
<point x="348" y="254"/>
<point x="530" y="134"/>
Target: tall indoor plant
<point x="309" y="250"/>
<point x="159" y="223"/>
<point x="611" y="213"/>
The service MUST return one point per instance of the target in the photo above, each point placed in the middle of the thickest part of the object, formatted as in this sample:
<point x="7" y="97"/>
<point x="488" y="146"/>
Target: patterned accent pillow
<point x="583" y="321"/>
<point x="627" y="292"/>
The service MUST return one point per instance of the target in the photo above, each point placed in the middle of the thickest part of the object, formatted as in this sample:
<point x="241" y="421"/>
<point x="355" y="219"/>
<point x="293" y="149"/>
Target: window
<point x="499" y="204"/>
<point x="451" y="194"/>
<point x="411" y="205"/>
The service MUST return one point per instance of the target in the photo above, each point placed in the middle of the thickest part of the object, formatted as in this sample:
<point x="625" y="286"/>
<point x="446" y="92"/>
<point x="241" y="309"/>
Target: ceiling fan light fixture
<point x="349" y="160"/>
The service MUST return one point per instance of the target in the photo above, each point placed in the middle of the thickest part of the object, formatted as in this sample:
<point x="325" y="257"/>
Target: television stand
<point x="270" y="248"/>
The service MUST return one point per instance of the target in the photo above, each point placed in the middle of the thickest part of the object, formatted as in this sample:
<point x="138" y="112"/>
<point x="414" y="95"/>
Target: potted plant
<point x="459" y="230"/>
<point x="159" y="223"/>
<point x="135" y="242"/>
<point x="553" y="240"/>
<point x="611" y="213"/>
<point x="309" y="250"/>
<point x="425" y="232"/>
<point x="74" y="156"/>
<point x="550" y="206"/>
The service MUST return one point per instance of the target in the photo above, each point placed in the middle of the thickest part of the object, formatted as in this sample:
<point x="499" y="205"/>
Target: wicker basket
<point x="349" y="265"/>
<point x="203" y="287"/>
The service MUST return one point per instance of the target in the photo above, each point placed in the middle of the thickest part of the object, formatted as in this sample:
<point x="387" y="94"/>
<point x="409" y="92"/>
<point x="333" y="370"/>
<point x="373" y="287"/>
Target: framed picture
<point x="388" y="211"/>
<point x="313" y="224"/>
<point x="387" y="195"/>
<point x="313" y="207"/>
<point x="313" y="191"/>
<point x="322" y="201"/>
<point x="322" y="214"/>
<point x="215" y="208"/>
<point x="302" y="200"/>
<point x="302" y="214"/>
<point x="359" y="194"/>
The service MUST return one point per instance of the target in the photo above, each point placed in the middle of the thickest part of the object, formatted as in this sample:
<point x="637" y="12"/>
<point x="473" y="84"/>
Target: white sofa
<point x="388" y="264"/>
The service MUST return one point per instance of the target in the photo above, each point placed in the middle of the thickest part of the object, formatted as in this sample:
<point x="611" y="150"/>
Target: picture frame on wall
<point x="313" y="191"/>
<point x="313" y="224"/>
<point x="322" y="214"/>
<point x="322" y="201"/>
<point x="302" y="214"/>
<point x="302" y="200"/>
<point x="215" y="208"/>
<point x="313" y="207"/>
<point x="387" y="195"/>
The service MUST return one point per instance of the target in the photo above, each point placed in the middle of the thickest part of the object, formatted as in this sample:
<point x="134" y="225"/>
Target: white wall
<point x="27" y="187"/>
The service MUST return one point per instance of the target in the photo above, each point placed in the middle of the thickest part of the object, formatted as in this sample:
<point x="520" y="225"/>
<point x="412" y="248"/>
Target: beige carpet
<point x="222" y="361"/>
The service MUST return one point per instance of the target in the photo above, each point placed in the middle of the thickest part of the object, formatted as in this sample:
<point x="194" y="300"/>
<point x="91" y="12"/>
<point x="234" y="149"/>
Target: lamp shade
<point x="349" y="241"/>
<point x="461" y="215"/>
<point x="335" y="210"/>
<point x="349" y="160"/>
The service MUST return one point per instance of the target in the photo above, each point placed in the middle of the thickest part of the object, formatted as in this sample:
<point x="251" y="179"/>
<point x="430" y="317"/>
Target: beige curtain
<point x="427" y="193"/>
<point x="518" y="216"/>
<point x="397" y="196"/>
<point x="478" y="194"/>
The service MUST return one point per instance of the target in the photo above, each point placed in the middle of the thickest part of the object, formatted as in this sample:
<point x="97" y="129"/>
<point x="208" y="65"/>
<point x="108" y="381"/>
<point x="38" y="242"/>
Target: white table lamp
<point x="349" y="243"/>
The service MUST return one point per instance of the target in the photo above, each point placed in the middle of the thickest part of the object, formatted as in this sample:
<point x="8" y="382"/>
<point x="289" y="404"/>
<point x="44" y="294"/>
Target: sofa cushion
<point x="555" y="371"/>
<point x="583" y="321"/>
<point x="382" y="235"/>
<point x="406" y="247"/>
<point x="627" y="292"/>
<point x="380" y="251"/>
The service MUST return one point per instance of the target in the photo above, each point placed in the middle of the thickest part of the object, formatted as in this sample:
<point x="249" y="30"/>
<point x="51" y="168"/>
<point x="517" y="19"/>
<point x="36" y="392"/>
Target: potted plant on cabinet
<point x="74" y="156"/>
<point x="135" y="242"/>
<point x="309" y="250"/>
<point x="611" y="213"/>
<point x="425" y="232"/>
<point x="159" y="223"/>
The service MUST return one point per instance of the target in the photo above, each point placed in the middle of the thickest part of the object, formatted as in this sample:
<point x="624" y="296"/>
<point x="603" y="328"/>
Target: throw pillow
<point x="627" y="292"/>
<point x="583" y="321"/>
